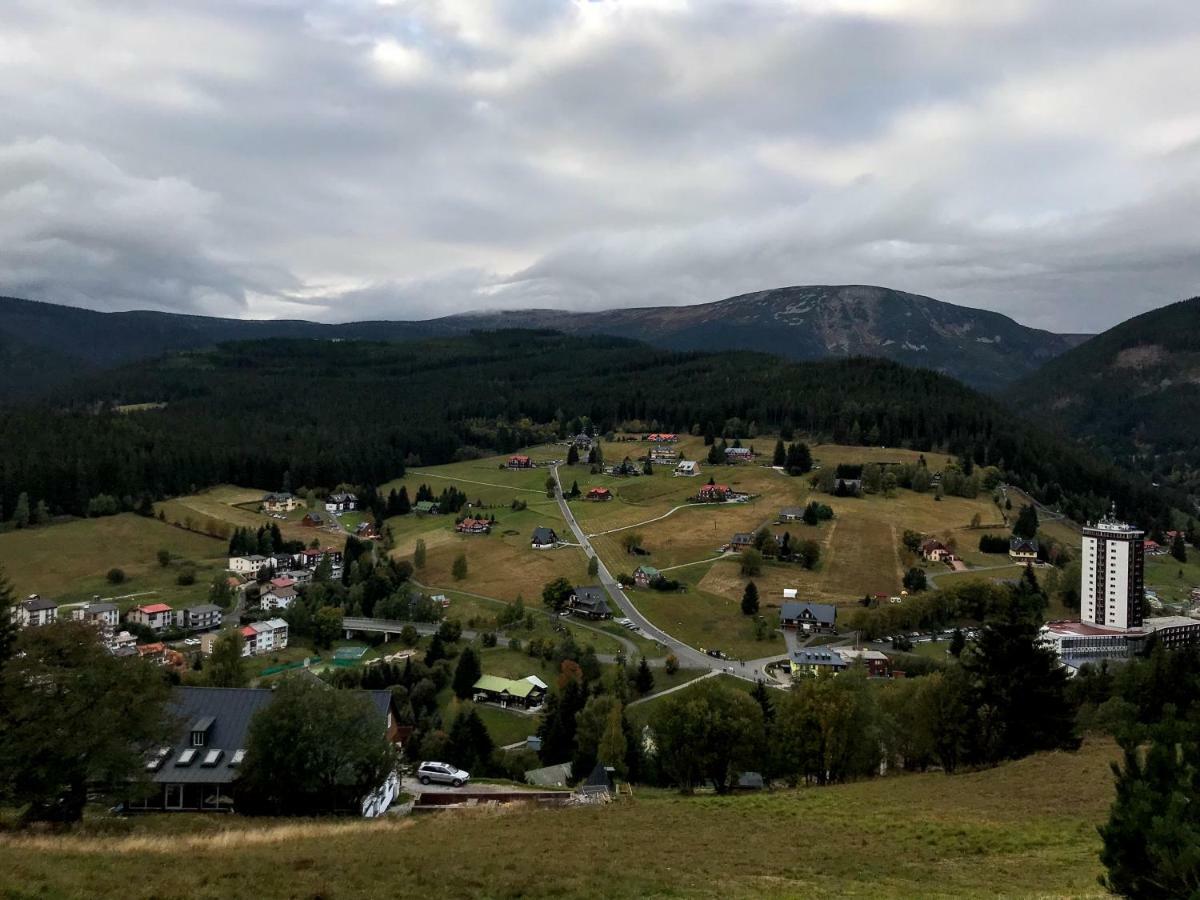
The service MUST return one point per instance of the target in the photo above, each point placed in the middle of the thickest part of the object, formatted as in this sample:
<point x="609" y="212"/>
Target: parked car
<point x="442" y="773"/>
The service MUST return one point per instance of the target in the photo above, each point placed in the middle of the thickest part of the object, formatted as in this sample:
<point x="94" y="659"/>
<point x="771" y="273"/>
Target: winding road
<point x="688" y="656"/>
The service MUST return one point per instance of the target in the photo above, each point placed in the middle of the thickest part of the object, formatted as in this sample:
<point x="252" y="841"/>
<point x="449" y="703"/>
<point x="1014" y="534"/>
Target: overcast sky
<point x="348" y="160"/>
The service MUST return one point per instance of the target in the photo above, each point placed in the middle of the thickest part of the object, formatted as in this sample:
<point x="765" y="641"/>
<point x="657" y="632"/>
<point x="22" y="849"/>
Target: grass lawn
<point x="1008" y="573"/>
<point x="1171" y="579"/>
<point x="69" y="562"/>
<point x="830" y="455"/>
<point x="986" y="834"/>
<point x="706" y="621"/>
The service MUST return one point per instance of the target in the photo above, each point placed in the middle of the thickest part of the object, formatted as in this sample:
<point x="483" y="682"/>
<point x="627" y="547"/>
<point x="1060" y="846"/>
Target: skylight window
<point x="238" y="756"/>
<point x="212" y="757"/>
<point x="186" y="757"/>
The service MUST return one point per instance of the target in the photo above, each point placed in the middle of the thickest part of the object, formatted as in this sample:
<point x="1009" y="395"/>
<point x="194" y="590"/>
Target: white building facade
<point x="1112" y="572"/>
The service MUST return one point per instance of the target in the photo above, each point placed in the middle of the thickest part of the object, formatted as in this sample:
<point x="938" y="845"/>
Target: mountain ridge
<point x="43" y="343"/>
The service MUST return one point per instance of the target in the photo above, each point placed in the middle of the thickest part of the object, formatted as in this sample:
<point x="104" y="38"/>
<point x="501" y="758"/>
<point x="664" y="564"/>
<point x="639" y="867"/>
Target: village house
<point x="527" y="693"/>
<point x="264" y="637"/>
<point x="366" y="531"/>
<point x="340" y="502"/>
<point x="662" y="438"/>
<point x="664" y="454"/>
<point x="582" y="441"/>
<point x="624" y="468"/>
<point x="427" y="508"/>
<point x="280" y="503"/>
<point x="644" y="575"/>
<point x="250" y="565"/>
<point x="102" y="614"/>
<point x="155" y="616"/>
<point x="312" y="520"/>
<point x="791" y="514"/>
<point x="122" y="644"/>
<point x="313" y="556"/>
<point x="204" y="617"/>
<point x="599" y="493"/>
<point x="1023" y="550"/>
<point x="297" y="576"/>
<point x="687" y="468"/>
<point x="741" y="540"/>
<point x="876" y="662"/>
<point x="713" y="493"/>
<point x="543" y="538"/>
<point x="811" y="662"/>
<point x="589" y="602"/>
<point x="34" y="611"/>
<point x="520" y="462"/>
<point x="278" y="597"/>
<point x="818" y="617"/>
<point x="1153" y="548"/>
<point x="473" y="526"/>
<point x="198" y="772"/>
<point x="935" y="551"/>
<point x="738" y="454"/>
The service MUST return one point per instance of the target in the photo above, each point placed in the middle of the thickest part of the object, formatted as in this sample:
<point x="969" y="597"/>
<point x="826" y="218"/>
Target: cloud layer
<point x="342" y="160"/>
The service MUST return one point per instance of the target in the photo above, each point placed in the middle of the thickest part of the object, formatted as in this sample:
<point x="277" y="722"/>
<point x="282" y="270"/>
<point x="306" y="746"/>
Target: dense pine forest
<point x="287" y="413"/>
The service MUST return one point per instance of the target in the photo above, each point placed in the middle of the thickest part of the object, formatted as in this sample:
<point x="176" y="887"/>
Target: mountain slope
<point x="1132" y="392"/>
<point x="984" y="349"/>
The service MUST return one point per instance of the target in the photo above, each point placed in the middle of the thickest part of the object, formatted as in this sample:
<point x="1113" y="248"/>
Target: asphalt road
<point x="688" y="656"/>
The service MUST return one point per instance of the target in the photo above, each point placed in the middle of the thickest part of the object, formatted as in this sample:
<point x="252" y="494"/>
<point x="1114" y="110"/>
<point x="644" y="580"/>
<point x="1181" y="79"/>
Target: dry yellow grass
<point x="221" y="505"/>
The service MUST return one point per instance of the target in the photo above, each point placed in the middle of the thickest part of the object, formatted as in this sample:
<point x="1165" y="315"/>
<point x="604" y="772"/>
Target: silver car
<point x="442" y="773"/>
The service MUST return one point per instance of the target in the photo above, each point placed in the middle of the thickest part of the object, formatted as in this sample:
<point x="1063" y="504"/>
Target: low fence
<point x="284" y="667"/>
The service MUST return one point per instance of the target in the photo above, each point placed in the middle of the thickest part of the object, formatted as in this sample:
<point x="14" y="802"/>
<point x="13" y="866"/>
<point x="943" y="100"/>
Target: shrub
<point x="115" y="576"/>
<point x="185" y="577"/>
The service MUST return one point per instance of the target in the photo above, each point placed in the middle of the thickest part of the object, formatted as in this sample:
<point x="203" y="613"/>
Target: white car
<point x="442" y="773"/>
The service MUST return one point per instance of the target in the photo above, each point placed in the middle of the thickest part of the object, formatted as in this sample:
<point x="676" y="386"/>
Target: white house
<point x="203" y="617"/>
<point x="341" y="502"/>
<point x="687" y="468"/>
<point x="35" y="612"/>
<point x="277" y="597"/>
<point x="157" y="616"/>
<point x="249" y="565"/>
<point x="280" y="503"/>
<point x="265" y="637"/>
<point x="101" y="614"/>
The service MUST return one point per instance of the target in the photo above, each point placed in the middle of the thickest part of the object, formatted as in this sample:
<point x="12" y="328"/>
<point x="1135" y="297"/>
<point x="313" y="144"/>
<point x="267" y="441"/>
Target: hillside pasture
<point x="221" y="509"/>
<point x="994" y="833"/>
<point x="68" y="562"/>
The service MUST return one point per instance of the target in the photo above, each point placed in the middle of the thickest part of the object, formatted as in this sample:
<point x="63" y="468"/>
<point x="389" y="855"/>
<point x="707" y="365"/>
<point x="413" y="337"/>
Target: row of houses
<point x="296" y="565"/>
<point x="36" y="611"/>
<point x="283" y="502"/>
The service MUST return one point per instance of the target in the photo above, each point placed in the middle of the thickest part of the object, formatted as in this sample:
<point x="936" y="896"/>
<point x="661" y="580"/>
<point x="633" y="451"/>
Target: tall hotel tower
<point x="1111" y="588"/>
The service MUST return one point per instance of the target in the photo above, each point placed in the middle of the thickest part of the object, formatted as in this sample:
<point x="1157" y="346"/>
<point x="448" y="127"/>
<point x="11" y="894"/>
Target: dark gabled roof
<point x="34" y="604"/>
<point x="792" y="511"/>
<point x="543" y="535"/>
<point x="101" y="607"/>
<point x="228" y="712"/>
<point x="820" y="658"/>
<point x="825" y="613"/>
<point x="600" y="778"/>
<point x="1023" y="545"/>
<point x="203" y="609"/>
<point x="590" y="594"/>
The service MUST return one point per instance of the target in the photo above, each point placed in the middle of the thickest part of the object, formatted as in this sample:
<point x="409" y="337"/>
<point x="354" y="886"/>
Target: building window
<point x="174" y="796"/>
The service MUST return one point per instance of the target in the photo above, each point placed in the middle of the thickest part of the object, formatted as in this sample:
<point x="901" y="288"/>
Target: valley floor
<point x="1024" y="829"/>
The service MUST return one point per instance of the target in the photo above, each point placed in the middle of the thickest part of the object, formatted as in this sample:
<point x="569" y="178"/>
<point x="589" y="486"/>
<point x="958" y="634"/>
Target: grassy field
<point x="69" y="562"/>
<point x="1172" y="580"/>
<point x="1022" y="830"/>
<point x="225" y="507"/>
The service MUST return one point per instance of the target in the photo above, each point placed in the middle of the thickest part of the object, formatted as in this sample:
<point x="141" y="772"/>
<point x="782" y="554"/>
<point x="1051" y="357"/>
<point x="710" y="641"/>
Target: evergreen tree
<point x="1026" y="525"/>
<point x="613" y="749"/>
<point x="458" y="568"/>
<point x="226" y="666"/>
<point x="593" y="566"/>
<point x="1178" y="548"/>
<point x="750" y="599"/>
<point x="470" y="746"/>
<point x="466" y="673"/>
<point x="780" y="457"/>
<point x="958" y="643"/>
<point x="419" y="554"/>
<point x="644" y="679"/>
<point x="20" y="517"/>
<point x="573" y="456"/>
<point x="8" y="627"/>
<point x="436" y="649"/>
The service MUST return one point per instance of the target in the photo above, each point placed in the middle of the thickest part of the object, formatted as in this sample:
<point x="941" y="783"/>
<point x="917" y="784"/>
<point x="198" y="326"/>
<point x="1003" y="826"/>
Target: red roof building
<point x="599" y="493"/>
<point x="520" y="462"/>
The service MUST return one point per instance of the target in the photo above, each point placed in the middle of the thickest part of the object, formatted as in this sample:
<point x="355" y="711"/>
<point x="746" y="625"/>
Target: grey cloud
<point x="360" y="159"/>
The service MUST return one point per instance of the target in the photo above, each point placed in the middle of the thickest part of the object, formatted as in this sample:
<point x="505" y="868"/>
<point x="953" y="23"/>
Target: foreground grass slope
<point x="1025" y="829"/>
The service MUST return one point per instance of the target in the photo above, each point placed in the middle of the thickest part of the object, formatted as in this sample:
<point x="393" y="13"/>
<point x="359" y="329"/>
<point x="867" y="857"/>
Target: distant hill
<point x="42" y="344"/>
<point x="1132" y="393"/>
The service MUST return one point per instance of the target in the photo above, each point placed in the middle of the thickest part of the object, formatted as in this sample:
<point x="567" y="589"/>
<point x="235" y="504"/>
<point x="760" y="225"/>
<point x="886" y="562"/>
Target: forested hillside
<point x="1131" y="393"/>
<point x="318" y="413"/>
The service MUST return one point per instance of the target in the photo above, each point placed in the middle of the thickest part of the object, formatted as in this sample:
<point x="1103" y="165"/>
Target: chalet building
<point x="427" y="508"/>
<point x="473" y="526"/>
<point x="742" y="540"/>
<point x="589" y="602"/>
<point x="367" y="531"/>
<point x="101" y="614"/>
<point x="936" y="551"/>
<point x="599" y="493"/>
<point x="1023" y="550"/>
<point x="204" y="617"/>
<point x="312" y="520"/>
<point x="875" y="662"/>
<point x="644" y="575"/>
<point x="543" y="538"/>
<point x="687" y="468"/>
<point x="738" y="454"/>
<point x="811" y="662"/>
<point x="313" y="555"/>
<point x="156" y="616"/>
<point x="818" y="617"/>
<point x="664" y="455"/>
<point x="791" y="514"/>
<point x="520" y="462"/>
<point x="274" y="598"/>
<point x="264" y="637"/>
<point x="250" y="565"/>
<point x="527" y="693"/>
<point x="341" y="502"/>
<point x="280" y="503"/>
<point x="713" y="493"/>
<point x="582" y="441"/>
<point x="198" y="772"/>
<point x="35" y="611"/>
<point x="662" y="438"/>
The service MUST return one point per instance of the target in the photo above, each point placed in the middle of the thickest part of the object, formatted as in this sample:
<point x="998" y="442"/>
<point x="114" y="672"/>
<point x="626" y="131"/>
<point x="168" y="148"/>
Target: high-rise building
<point x="1111" y="575"/>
